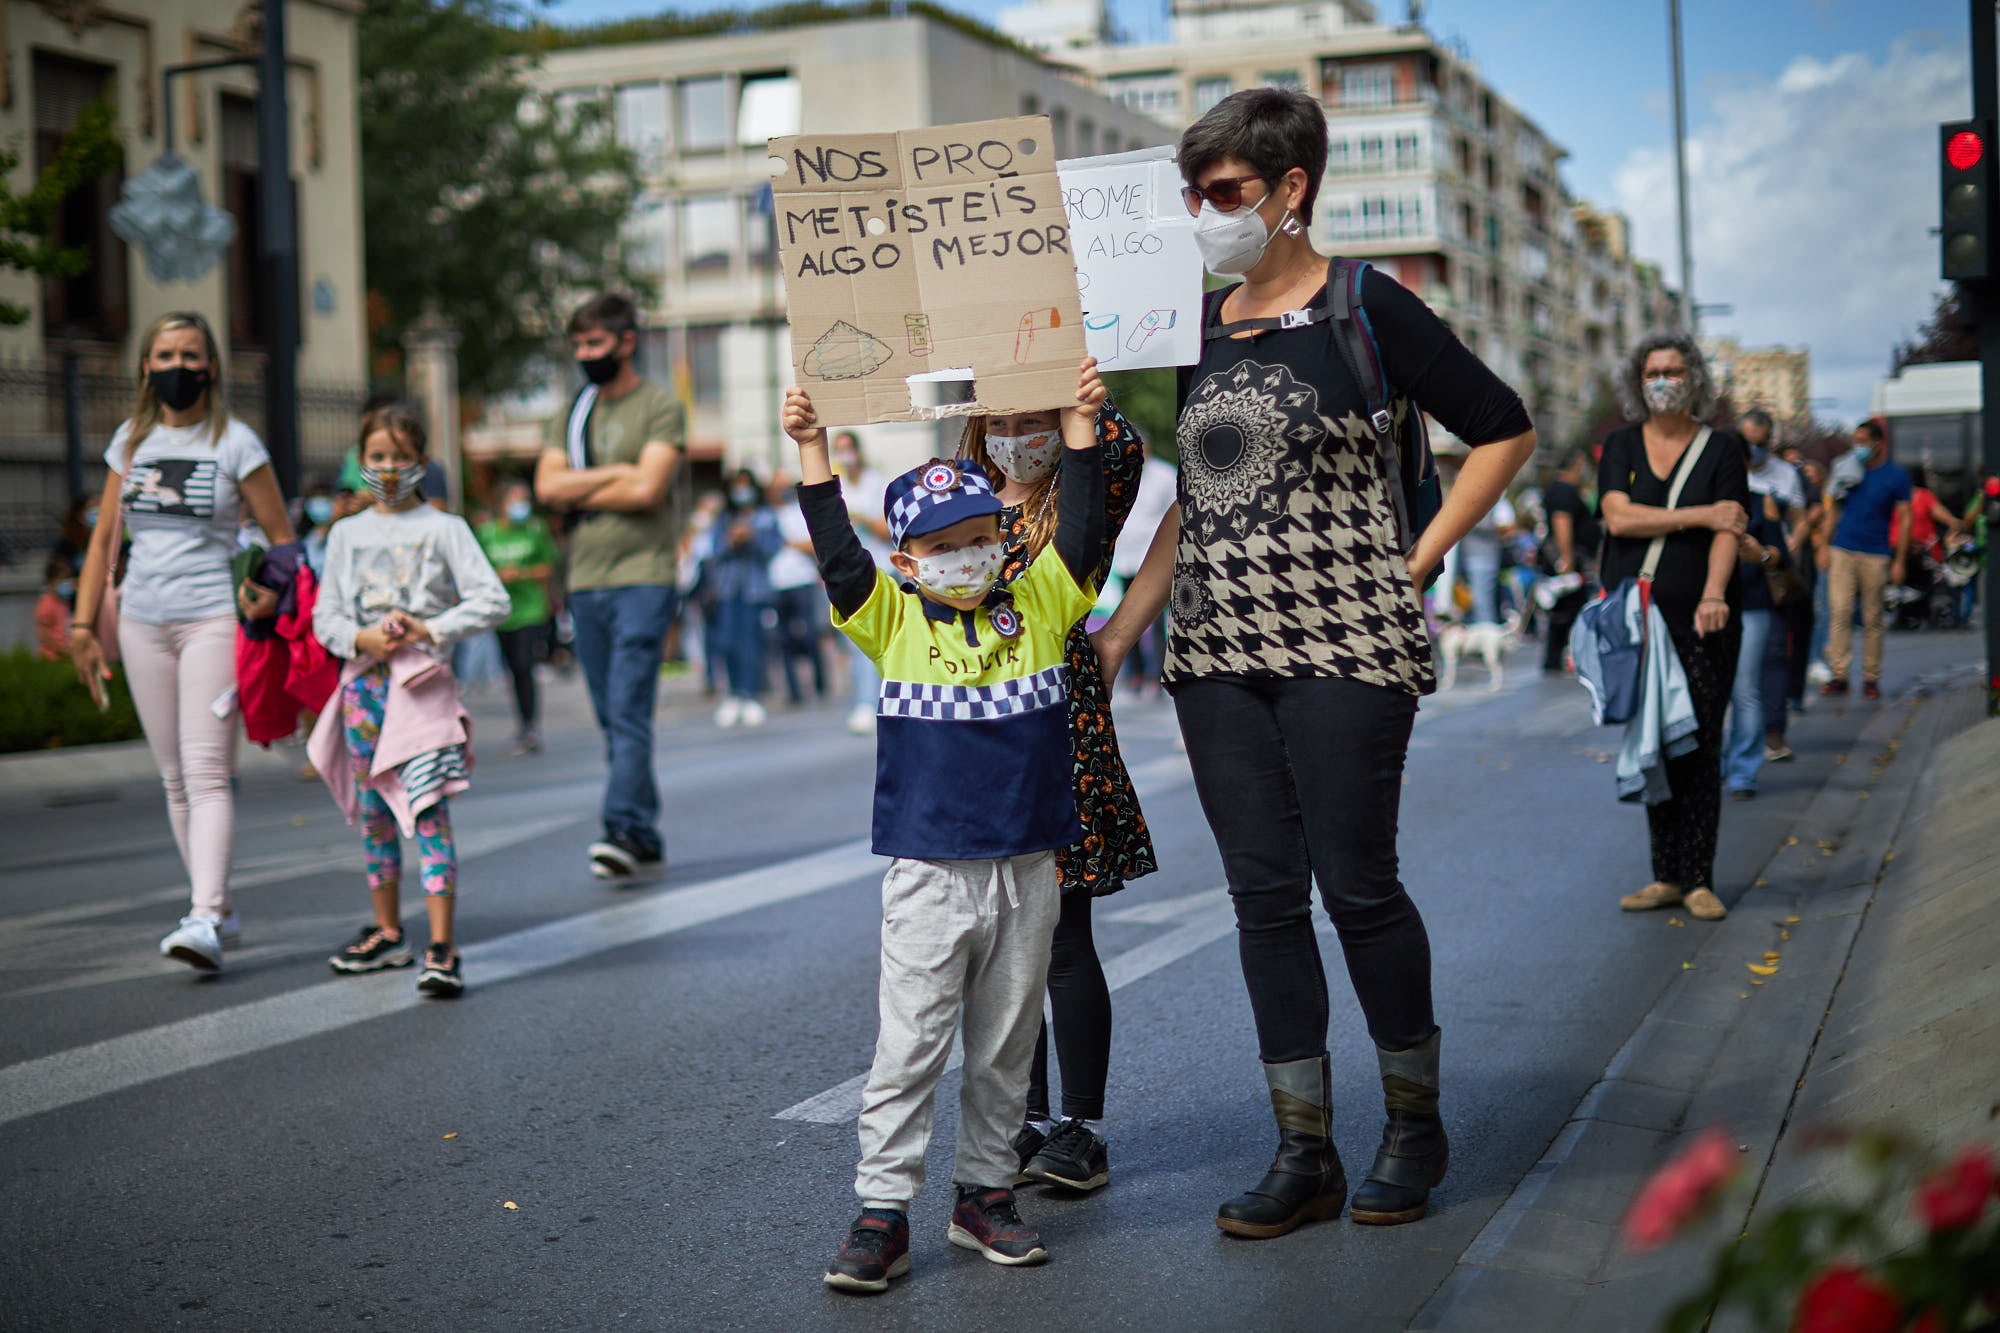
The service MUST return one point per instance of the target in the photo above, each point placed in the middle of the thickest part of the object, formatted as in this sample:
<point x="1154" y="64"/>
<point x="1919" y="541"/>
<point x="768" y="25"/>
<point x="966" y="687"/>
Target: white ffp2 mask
<point x="1231" y="243"/>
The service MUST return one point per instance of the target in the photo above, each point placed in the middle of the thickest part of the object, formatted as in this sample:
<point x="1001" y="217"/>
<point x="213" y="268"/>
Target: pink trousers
<point x="177" y="673"/>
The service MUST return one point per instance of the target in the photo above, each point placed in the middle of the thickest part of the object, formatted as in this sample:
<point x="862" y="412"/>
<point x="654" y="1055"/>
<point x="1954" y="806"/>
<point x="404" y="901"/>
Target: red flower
<point x="1843" y="1299"/>
<point x="1930" y="1321"/>
<point x="1678" y="1190"/>
<point x="1953" y="1198"/>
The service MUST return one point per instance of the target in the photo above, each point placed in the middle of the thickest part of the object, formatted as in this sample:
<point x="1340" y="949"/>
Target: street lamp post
<point x="278" y="252"/>
<point x="1690" y="316"/>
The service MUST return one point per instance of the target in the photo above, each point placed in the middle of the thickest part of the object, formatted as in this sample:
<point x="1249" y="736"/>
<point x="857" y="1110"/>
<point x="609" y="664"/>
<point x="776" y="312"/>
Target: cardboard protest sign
<point x="941" y="253"/>
<point x="1136" y="261"/>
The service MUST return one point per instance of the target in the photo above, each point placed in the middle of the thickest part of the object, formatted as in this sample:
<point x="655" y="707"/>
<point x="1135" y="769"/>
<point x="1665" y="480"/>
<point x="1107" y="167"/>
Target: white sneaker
<point x="862" y="720"/>
<point x="196" y="943"/>
<point x="230" y="930"/>
<point x="1819" y="673"/>
<point x="753" y="713"/>
<point x="729" y="713"/>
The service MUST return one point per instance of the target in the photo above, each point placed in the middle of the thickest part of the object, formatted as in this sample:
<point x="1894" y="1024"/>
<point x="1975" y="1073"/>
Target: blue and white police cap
<point x="938" y="494"/>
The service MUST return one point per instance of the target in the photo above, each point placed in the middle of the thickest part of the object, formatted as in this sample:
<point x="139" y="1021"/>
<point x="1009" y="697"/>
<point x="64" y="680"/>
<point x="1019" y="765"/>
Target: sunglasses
<point x="1226" y="193"/>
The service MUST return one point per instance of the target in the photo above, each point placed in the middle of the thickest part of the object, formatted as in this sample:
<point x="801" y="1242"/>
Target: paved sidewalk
<point x="1885" y="1006"/>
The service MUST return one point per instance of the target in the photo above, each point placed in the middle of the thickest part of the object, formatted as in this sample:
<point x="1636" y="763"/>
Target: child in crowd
<point x="54" y="608"/>
<point x="403" y="582"/>
<point x="973" y="795"/>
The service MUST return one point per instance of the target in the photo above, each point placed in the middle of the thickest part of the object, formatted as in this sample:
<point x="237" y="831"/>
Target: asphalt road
<point x="640" y="1114"/>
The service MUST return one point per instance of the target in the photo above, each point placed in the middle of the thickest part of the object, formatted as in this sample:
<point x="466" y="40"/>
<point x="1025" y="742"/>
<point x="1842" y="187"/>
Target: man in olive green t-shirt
<point x="610" y="461"/>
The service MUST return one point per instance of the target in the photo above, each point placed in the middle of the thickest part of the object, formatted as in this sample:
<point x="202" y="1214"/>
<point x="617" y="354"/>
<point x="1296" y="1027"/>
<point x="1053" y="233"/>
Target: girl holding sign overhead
<point x="1022" y="453"/>
<point x="1299" y="649"/>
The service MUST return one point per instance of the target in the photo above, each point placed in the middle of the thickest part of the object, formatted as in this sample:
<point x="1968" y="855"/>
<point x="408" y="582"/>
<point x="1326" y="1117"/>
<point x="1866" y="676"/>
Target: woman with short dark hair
<point x="1299" y="647"/>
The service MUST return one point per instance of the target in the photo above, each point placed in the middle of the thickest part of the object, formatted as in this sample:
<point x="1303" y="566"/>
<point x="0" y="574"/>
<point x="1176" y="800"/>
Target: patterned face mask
<point x="1026" y="459"/>
<point x="1667" y="396"/>
<point x="963" y="574"/>
<point x="392" y="485"/>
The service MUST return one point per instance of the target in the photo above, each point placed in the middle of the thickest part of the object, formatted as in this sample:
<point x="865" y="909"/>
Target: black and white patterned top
<point x="1288" y="564"/>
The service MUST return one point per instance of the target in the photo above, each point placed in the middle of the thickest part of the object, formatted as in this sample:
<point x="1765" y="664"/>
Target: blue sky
<point x="1812" y="129"/>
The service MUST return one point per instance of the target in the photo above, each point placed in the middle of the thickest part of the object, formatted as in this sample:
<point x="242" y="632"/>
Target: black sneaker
<point x="1026" y="1144"/>
<point x="371" y="950"/>
<point x="1074" y="1159"/>
<point x="986" y="1220"/>
<point x="621" y="858"/>
<point x="877" y="1248"/>
<point x="440" y="977"/>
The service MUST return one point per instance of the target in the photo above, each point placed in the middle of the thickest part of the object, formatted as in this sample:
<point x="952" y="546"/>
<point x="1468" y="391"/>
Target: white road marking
<point x="84" y="1072"/>
<point x="1162" y="910"/>
<point x="1206" y="921"/>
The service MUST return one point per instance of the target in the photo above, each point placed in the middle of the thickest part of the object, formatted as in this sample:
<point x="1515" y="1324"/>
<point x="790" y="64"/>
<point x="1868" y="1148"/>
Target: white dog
<point x="1490" y="642"/>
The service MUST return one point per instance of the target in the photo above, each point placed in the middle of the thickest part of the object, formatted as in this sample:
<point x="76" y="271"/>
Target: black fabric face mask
<point x="179" y="388"/>
<point x="601" y="369"/>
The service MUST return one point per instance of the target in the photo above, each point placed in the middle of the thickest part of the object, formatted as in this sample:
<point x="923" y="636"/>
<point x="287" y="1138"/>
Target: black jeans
<point x="1683" y="827"/>
<point x="1081" y="1002"/>
<point x="523" y="648"/>
<point x="1562" y="618"/>
<point x="1302" y="780"/>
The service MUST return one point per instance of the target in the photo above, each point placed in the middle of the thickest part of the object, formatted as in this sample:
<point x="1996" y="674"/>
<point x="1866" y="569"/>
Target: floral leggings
<point x="361" y="704"/>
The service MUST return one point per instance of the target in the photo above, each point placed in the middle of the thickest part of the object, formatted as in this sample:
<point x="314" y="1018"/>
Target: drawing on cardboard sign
<point x="1152" y="322"/>
<point x="1100" y="335"/>
<point x="1136" y="261"/>
<point x="844" y="352"/>
<point x="908" y="252"/>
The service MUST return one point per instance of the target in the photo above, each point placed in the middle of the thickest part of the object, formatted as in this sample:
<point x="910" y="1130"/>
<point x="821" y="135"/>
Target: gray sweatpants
<point x="971" y="933"/>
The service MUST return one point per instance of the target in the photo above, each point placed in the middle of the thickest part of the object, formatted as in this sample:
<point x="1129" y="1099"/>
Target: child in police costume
<point x="973" y="795"/>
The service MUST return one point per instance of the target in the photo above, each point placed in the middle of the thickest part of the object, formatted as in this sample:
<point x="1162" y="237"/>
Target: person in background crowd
<point x="73" y="534"/>
<point x="53" y="609"/>
<point x="795" y="594"/>
<point x="1572" y="552"/>
<point x="1762" y="554"/>
<point x="736" y="569"/>
<point x="1297" y="691"/>
<point x="182" y="468"/>
<point x="611" y="461"/>
<point x="1479" y="552"/>
<point x="1813" y="558"/>
<point x="862" y="488"/>
<point x="523" y="552"/>
<point x="1780" y="494"/>
<point x="1668" y="388"/>
<point x="697" y="599"/>
<point x="318" y="511"/>
<point x="1862" y="559"/>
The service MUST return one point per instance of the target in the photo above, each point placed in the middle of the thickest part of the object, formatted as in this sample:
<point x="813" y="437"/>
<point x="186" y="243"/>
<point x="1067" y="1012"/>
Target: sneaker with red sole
<point x="1871" y="689"/>
<point x="1834" y="687"/>
<point x="985" y="1220"/>
<point x="877" y="1248"/>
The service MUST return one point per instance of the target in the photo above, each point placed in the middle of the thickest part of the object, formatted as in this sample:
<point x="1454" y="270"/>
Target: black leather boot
<point x="1305" y="1182"/>
<point x="1413" y="1155"/>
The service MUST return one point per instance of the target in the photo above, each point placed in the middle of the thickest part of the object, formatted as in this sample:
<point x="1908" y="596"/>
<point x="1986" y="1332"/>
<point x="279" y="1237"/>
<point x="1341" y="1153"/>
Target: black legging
<point x="1302" y="779"/>
<point x="1082" y="1004"/>
<point x="522" y="648"/>
<point x="1562" y="617"/>
<point x="1683" y="826"/>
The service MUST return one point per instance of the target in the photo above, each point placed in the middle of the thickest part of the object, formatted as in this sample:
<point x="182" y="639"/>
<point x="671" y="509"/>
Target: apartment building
<point x="698" y="110"/>
<point x="1432" y="174"/>
<point x="1777" y="379"/>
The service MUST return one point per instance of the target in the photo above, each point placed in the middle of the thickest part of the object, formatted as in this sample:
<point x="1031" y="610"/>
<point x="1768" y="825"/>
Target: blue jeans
<point x="1743" y="745"/>
<point x="1481" y="572"/>
<point x="619" y="632"/>
<point x="1822" y="621"/>
<point x="738" y="635"/>
<point x="861" y="672"/>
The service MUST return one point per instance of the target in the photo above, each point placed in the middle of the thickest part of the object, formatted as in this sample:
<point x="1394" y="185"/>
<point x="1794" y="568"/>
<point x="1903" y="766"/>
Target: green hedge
<point x="43" y="705"/>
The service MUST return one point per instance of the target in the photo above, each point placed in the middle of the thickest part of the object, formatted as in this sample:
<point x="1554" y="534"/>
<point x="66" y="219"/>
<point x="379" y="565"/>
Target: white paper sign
<point x="1136" y="263"/>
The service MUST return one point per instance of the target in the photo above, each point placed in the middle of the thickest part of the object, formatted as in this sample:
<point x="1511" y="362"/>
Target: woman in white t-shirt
<point x="184" y="472"/>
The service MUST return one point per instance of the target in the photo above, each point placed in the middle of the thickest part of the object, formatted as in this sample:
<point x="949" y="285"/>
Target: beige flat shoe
<point x="1652" y="896"/>
<point x="1706" y="906"/>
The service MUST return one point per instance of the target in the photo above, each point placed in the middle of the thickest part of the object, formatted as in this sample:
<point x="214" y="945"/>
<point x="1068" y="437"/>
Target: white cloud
<point x="1813" y="200"/>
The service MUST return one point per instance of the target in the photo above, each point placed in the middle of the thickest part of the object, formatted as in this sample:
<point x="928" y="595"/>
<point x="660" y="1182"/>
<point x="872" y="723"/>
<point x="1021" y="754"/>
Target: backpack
<point x="1405" y="449"/>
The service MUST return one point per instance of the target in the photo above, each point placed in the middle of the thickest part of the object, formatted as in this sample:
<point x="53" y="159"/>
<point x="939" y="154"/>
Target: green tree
<point x="477" y="195"/>
<point x="28" y="221"/>
<point x="1146" y="397"/>
<point x="1950" y="334"/>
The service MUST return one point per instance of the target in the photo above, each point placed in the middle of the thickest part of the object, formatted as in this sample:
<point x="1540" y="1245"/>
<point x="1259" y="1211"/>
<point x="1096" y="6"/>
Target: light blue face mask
<point x="520" y="511"/>
<point x="319" y="509"/>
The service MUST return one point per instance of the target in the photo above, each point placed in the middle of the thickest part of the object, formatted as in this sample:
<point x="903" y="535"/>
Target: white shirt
<point x="1159" y="483"/>
<point x="1779" y="480"/>
<point x="182" y="508"/>
<point x="792" y="568"/>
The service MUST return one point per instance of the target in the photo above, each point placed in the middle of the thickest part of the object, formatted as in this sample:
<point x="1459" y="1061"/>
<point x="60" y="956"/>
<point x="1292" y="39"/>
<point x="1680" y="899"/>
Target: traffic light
<point x="1967" y="198"/>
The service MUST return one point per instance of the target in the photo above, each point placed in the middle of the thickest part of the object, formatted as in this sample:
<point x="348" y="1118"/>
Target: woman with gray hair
<point x="1700" y="518"/>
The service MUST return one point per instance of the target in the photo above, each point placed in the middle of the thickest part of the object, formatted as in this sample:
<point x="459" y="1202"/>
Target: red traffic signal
<point x="1963" y="150"/>
<point x="1965" y="200"/>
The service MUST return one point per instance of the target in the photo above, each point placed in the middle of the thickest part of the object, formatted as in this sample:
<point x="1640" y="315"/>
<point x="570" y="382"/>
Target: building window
<point x="1059" y="129"/>
<point x="1288" y="79"/>
<point x="1534" y="262"/>
<point x="574" y="107"/>
<point x="1157" y="92"/>
<point x="96" y="303"/>
<point x="709" y="227"/>
<point x="1363" y="85"/>
<point x="249" y="311"/>
<point x="1339" y="157"/>
<point x="1207" y="92"/>
<point x="1408" y="155"/>
<point x="1493" y="233"/>
<point x="757" y="224"/>
<point x="1371" y="153"/>
<point x="1086" y="138"/>
<point x="704" y="114"/>
<point x="704" y="359"/>
<point x="1031" y="105"/>
<point x="767" y="108"/>
<point x="649" y="236"/>
<point x="639" y="114"/>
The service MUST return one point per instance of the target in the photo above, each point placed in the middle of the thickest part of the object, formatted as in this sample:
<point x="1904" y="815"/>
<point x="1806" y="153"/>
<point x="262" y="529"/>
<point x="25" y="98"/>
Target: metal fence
<point x="35" y="408"/>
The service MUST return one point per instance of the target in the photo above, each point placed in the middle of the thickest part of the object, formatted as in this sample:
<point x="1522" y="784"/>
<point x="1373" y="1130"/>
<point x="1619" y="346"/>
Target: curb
<point x="1720" y="1046"/>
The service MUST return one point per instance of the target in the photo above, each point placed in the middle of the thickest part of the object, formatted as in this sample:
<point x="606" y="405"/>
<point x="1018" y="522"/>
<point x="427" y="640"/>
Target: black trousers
<point x="1562" y="618"/>
<point x="1081" y="1002"/>
<point x="1799" y="614"/>
<point x="523" y="648"/>
<point x="1301" y="780"/>
<point x="801" y="611"/>
<point x="1683" y="826"/>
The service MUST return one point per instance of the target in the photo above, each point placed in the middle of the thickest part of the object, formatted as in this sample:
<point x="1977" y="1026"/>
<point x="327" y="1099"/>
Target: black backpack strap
<point x="1211" y="309"/>
<point x="1356" y="344"/>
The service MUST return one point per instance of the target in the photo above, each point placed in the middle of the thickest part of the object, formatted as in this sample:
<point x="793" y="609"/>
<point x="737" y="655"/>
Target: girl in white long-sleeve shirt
<point x="403" y="577"/>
